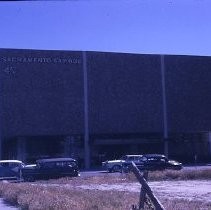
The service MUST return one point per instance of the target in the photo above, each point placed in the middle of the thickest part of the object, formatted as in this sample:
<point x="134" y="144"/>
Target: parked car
<point x="50" y="169"/>
<point x="154" y="162"/>
<point x="11" y="169"/>
<point x="117" y="165"/>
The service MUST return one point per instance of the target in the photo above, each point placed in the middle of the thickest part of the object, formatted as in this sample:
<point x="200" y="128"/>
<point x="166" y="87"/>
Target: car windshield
<point x="123" y="158"/>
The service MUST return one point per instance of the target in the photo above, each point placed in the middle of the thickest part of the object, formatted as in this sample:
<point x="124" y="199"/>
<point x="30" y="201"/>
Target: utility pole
<point x="86" y="114"/>
<point x="165" y="119"/>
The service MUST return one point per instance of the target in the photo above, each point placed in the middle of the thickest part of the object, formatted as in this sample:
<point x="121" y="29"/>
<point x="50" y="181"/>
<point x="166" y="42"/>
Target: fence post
<point x="143" y="192"/>
<point x="146" y="190"/>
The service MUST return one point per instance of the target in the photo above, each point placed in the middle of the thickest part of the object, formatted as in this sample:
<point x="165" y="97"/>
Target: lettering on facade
<point x="9" y="70"/>
<point x="55" y="60"/>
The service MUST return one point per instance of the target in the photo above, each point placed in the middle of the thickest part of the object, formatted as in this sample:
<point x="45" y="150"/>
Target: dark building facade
<point x="96" y="105"/>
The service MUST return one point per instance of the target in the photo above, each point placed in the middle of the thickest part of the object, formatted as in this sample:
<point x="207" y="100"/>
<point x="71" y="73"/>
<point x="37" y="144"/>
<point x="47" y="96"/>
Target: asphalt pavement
<point x="100" y="172"/>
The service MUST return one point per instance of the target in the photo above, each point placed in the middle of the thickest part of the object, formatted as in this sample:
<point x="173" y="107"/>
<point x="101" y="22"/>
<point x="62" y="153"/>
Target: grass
<point x="180" y="175"/>
<point x="38" y="195"/>
<point x="167" y="175"/>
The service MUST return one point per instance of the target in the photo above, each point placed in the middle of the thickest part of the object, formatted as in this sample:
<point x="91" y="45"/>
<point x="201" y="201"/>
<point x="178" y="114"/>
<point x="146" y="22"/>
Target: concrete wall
<point x="188" y="89"/>
<point x="124" y="93"/>
<point x="42" y="93"/>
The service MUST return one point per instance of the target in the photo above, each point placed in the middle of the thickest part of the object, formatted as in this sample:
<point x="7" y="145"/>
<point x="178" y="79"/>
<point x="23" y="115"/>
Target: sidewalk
<point x="5" y="206"/>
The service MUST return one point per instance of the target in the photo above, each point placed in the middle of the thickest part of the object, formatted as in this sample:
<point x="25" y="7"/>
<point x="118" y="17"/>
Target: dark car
<point x="153" y="162"/>
<point x="50" y="169"/>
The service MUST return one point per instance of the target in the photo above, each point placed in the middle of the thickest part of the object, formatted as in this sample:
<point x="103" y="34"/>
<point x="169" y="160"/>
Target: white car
<point x="10" y="169"/>
<point x="117" y="165"/>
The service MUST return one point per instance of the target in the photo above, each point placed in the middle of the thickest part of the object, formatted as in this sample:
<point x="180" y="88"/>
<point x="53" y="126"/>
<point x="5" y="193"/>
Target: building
<point x="99" y="105"/>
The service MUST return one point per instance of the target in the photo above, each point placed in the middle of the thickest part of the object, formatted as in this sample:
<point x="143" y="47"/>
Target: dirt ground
<point x="188" y="190"/>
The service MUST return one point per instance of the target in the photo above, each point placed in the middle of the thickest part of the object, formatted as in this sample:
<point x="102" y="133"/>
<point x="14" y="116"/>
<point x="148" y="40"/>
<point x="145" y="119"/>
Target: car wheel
<point x="127" y="168"/>
<point x="29" y="179"/>
<point x="110" y="170"/>
<point x="177" y="168"/>
<point x="76" y="174"/>
<point x="117" y="168"/>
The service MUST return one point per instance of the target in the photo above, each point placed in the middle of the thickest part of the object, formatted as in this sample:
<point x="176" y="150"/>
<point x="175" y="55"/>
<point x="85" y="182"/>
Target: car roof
<point x="54" y="160"/>
<point x="133" y="155"/>
<point x="10" y="161"/>
<point x="155" y="155"/>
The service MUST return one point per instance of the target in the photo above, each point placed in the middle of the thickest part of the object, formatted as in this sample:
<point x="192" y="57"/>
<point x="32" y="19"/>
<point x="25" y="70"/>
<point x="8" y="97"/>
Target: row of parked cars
<point x="43" y="169"/>
<point x="61" y="167"/>
<point x="150" y="162"/>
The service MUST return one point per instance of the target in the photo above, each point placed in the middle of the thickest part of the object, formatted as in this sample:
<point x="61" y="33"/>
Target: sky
<point x="132" y="26"/>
